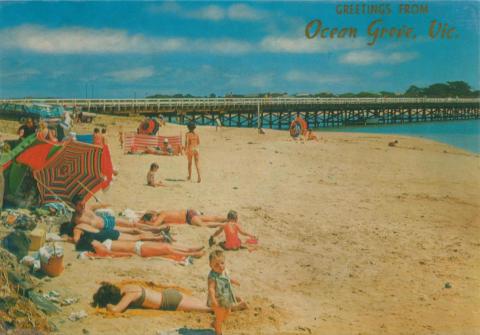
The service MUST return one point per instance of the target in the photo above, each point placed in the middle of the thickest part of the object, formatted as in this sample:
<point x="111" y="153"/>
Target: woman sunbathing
<point x="74" y="232"/>
<point x="188" y="216"/>
<point x="117" y="299"/>
<point x="110" y="248"/>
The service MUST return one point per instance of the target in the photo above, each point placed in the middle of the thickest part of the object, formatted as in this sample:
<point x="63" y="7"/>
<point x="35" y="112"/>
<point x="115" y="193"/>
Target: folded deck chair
<point x="138" y="143"/>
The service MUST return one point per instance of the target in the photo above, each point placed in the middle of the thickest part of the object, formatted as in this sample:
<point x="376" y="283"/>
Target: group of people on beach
<point x="191" y="149"/>
<point x="98" y="233"/>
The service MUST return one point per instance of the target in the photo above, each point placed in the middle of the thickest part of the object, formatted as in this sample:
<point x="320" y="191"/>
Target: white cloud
<point x="367" y="57"/>
<point x="242" y="12"/>
<point x="283" y="44"/>
<point x="79" y="40"/>
<point x="213" y="13"/>
<point x="316" y="77"/>
<point x="235" y="12"/>
<point x="131" y="74"/>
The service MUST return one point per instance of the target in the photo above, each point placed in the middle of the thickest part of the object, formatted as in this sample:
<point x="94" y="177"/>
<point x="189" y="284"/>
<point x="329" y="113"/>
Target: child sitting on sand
<point x="151" y="176"/>
<point x="231" y="230"/>
<point x="220" y="293"/>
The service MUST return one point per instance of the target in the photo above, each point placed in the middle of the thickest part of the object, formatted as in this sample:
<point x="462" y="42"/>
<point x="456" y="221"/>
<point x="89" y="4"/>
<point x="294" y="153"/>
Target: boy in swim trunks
<point x="220" y="293"/>
<point x="151" y="176"/>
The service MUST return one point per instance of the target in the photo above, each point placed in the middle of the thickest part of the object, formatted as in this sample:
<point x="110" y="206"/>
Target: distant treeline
<point x="450" y="89"/>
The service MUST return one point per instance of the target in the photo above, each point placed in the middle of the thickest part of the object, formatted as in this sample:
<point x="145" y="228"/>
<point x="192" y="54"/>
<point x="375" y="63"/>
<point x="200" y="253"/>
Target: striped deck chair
<point x="138" y="143"/>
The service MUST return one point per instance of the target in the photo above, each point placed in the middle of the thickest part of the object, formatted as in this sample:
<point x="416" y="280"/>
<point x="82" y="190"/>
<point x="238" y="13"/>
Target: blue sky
<point x="127" y="49"/>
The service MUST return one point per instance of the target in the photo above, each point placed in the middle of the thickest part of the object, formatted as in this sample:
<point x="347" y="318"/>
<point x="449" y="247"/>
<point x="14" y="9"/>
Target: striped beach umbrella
<point x="74" y="169"/>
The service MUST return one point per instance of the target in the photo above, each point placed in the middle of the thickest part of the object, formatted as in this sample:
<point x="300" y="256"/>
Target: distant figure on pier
<point x="192" y="143"/>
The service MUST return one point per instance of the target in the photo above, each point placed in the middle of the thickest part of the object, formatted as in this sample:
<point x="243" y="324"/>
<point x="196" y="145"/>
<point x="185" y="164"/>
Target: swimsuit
<point x="171" y="298"/>
<point x="138" y="248"/>
<point x="108" y="244"/>
<point x="138" y="303"/>
<point x="232" y="242"/>
<point x="223" y="289"/>
<point x="191" y="213"/>
<point x="85" y="241"/>
<point x="108" y="220"/>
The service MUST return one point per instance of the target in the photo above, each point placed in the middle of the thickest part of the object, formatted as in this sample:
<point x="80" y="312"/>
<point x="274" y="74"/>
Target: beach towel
<point x="138" y="143"/>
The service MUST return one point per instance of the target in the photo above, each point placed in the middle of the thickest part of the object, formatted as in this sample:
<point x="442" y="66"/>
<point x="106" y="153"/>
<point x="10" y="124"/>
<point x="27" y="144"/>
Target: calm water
<point x="462" y="134"/>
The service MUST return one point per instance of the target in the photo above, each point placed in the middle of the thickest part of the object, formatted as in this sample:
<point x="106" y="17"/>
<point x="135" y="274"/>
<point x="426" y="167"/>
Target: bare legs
<point x="210" y="221"/>
<point x="221" y="315"/>
<point x="163" y="249"/>
<point x="195" y="156"/>
<point x="193" y="304"/>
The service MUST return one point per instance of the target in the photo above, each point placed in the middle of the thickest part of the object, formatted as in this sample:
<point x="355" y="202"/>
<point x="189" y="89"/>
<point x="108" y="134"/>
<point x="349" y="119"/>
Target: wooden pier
<point x="279" y="112"/>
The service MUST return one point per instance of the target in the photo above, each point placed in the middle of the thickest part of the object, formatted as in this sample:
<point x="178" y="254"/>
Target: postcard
<point x="239" y="167"/>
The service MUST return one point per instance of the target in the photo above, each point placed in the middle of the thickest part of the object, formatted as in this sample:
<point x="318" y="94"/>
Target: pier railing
<point x="273" y="112"/>
<point x="236" y="102"/>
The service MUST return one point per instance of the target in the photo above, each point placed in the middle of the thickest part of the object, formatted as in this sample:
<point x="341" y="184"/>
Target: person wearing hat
<point x="167" y="148"/>
<point x="192" y="143"/>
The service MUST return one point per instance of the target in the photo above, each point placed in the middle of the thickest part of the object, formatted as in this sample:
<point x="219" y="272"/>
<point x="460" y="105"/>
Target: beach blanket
<point x="138" y="143"/>
<point x="140" y="312"/>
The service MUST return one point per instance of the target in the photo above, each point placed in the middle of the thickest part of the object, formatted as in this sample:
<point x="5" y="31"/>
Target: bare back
<point x="90" y="218"/>
<point x="192" y="141"/>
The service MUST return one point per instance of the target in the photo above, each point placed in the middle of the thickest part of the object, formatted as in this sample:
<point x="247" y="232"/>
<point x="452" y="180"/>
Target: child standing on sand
<point x="192" y="143"/>
<point x="220" y="293"/>
<point x="151" y="176"/>
<point x="231" y="230"/>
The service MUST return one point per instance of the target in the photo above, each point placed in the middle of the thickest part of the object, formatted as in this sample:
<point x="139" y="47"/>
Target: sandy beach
<point x="356" y="237"/>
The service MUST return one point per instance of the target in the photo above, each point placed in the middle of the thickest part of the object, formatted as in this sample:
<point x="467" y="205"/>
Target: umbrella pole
<point x="86" y="189"/>
<point x="56" y="196"/>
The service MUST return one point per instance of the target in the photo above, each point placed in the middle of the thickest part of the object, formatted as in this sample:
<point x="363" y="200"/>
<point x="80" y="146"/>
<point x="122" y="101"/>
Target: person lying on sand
<point x="187" y="216"/>
<point x="118" y="299"/>
<point x="72" y="233"/>
<point x="231" y="230"/>
<point x="220" y="293"/>
<point x="102" y="220"/>
<point x="151" y="176"/>
<point x="127" y="248"/>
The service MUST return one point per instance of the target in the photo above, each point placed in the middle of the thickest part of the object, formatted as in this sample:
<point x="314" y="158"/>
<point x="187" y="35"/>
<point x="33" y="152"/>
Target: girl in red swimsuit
<point x="231" y="230"/>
